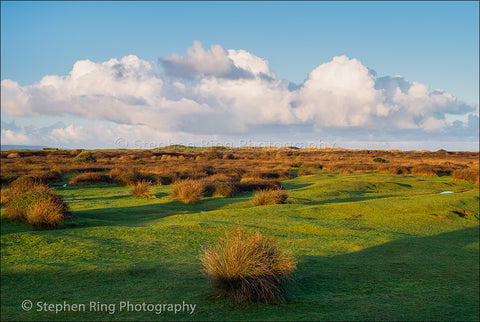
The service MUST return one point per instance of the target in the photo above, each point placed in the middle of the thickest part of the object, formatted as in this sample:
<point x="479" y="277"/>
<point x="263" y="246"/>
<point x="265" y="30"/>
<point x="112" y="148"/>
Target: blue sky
<point x="431" y="43"/>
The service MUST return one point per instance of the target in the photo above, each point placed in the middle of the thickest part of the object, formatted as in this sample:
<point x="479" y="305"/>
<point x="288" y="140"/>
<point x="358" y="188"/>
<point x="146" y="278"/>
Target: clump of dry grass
<point x="46" y="213"/>
<point x="248" y="267"/>
<point x="142" y="189"/>
<point x="188" y="191"/>
<point x="191" y="191"/>
<point x="269" y="197"/>
<point x="89" y="178"/>
<point x="35" y="203"/>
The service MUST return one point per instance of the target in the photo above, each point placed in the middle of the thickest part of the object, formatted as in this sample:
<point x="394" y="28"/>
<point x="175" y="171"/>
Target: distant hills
<point x="7" y="147"/>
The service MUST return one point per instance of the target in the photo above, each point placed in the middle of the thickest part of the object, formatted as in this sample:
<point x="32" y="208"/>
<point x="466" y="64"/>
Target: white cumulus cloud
<point x="220" y="91"/>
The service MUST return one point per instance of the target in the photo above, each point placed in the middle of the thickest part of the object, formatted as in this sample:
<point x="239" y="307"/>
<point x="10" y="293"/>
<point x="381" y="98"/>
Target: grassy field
<point x="369" y="246"/>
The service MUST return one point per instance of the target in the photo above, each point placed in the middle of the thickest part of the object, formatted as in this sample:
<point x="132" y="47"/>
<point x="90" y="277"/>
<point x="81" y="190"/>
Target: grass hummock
<point x="269" y="197"/>
<point x="34" y="202"/>
<point x="248" y="267"/>
<point x="142" y="189"/>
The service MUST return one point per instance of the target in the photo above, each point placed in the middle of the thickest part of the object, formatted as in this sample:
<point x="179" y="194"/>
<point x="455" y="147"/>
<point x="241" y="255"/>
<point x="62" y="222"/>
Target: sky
<point x="375" y="75"/>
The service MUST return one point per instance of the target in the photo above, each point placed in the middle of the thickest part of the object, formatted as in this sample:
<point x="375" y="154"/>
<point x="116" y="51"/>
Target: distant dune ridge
<point x="7" y="147"/>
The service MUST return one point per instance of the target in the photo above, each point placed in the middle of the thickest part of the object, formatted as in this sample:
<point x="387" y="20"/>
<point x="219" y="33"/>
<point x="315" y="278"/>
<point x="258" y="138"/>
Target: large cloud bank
<point x="230" y="92"/>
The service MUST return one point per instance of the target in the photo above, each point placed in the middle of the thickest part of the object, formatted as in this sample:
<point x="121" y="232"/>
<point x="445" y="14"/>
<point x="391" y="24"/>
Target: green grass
<point x="369" y="247"/>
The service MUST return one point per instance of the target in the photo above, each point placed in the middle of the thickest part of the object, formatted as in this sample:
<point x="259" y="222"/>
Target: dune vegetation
<point x="345" y="237"/>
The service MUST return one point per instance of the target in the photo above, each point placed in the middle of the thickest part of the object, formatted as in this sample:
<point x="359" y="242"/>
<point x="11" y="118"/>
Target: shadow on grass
<point x="361" y="196"/>
<point x="427" y="278"/>
<point x="293" y="185"/>
<point x="140" y="215"/>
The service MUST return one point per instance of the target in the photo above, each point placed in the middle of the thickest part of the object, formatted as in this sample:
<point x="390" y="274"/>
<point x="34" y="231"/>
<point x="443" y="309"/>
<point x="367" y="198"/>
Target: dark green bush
<point x="381" y="160"/>
<point x="85" y="156"/>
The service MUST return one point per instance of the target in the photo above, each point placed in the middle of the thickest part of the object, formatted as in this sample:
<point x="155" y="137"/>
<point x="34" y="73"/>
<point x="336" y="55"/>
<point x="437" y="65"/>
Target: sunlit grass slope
<point x="369" y="246"/>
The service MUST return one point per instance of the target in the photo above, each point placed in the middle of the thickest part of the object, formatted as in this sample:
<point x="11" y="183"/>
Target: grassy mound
<point x="34" y="202"/>
<point x="85" y="156"/>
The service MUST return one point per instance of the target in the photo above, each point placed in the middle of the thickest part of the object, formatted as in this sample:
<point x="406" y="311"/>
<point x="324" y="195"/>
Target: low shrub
<point x="224" y="189"/>
<point x="83" y="168"/>
<point x="424" y="170"/>
<point x="89" y="178"/>
<point x="252" y="185"/>
<point x="219" y="185"/>
<point x="345" y="170"/>
<point x="398" y="170"/>
<point x="248" y="267"/>
<point x="130" y="177"/>
<point x="84" y="156"/>
<point x="124" y="177"/>
<point x="142" y="189"/>
<point x="164" y="179"/>
<point x="115" y="172"/>
<point x="269" y="197"/>
<point x="20" y="186"/>
<point x="468" y="174"/>
<point x="51" y="176"/>
<point x="380" y="160"/>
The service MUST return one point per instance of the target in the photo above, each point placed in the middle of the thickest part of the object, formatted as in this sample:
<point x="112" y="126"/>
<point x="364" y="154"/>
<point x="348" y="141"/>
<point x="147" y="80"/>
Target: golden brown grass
<point x="35" y="203"/>
<point x="45" y="213"/>
<point x="269" y="197"/>
<point x="258" y="164"/>
<point x="142" y="189"/>
<point x="20" y="186"/>
<point x="188" y="191"/>
<point x="470" y="174"/>
<point x="89" y="178"/>
<point x="248" y="267"/>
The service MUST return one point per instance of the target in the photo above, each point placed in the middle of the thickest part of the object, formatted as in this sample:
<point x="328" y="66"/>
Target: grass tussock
<point x="248" y="267"/>
<point x="89" y="178"/>
<point x="191" y="191"/>
<point x="269" y="197"/>
<point x="188" y="191"/>
<point x="34" y="202"/>
<point x="142" y="189"/>
<point x="47" y="212"/>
